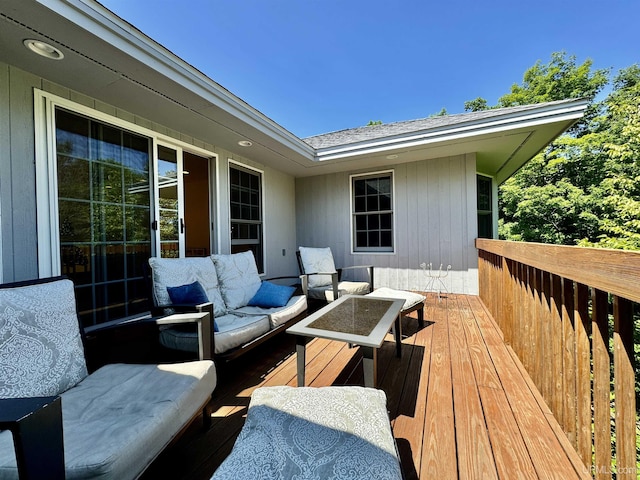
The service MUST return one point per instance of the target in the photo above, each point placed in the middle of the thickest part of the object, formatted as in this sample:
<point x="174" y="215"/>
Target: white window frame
<point x="379" y="173"/>
<point x="243" y="166"/>
<point x="46" y="170"/>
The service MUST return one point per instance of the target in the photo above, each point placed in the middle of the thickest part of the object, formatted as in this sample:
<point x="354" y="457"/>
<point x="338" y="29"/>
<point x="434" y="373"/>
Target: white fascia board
<point x="511" y="121"/>
<point x="101" y="22"/>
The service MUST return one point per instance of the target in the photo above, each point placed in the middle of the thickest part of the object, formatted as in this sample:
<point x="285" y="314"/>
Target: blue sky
<point x="316" y="66"/>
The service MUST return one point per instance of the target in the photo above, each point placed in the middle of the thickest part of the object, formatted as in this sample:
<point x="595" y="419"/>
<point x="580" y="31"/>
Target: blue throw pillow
<point x="271" y="295"/>
<point x="192" y="294"/>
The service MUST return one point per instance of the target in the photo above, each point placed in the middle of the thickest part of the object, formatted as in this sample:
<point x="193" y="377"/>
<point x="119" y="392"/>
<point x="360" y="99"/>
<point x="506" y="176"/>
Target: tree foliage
<point x="585" y="187"/>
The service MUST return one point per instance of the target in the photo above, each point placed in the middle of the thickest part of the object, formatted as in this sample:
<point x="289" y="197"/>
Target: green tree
<point x="618" y="193"/>
<point x="476" y="105"/>
<point x="585" y="187"/>
<point x="441" y="113"/>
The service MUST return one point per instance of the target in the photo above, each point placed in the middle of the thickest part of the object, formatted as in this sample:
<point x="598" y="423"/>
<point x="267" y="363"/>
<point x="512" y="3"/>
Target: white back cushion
<point x="174" y="272"/>
<point x="238" y="276"/>
<point x="317" y="260"/>
<point x="41" y="352"/>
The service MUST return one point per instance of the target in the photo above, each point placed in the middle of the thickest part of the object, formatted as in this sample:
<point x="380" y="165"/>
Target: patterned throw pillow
<point x="41" y="352"/>
<point x="238" y="277"/>
<point x="317" y="260"/>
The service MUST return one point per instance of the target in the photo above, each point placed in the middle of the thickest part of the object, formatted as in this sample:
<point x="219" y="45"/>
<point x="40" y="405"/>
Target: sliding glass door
<point x="104" y="214"/>
<point x="123" y="197"/>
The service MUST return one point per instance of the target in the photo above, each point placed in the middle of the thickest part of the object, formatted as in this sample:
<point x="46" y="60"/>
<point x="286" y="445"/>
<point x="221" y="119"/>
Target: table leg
<point x="398" y="335"/>
<point x="301" y="347"/>
<point x="370" y="366"/>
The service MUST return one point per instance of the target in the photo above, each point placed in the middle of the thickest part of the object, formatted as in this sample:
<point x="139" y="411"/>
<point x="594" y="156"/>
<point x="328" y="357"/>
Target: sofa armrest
<point x="204" y="320"/>
<point x="36" y="426"/>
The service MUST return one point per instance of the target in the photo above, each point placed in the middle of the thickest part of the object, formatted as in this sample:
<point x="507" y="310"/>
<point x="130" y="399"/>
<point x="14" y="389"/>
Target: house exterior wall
<point x="435" y="216"/>
<point x="18" y="201"/>
<point x="17" y="175"/>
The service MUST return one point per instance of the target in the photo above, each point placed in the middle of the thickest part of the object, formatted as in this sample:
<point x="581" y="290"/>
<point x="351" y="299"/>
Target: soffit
<point x="112" y="74"/>
<point x="131" y="72"/>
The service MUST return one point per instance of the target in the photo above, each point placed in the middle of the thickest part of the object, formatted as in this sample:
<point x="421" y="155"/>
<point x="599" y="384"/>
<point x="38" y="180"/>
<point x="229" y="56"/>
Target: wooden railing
<point x="553" y="304"/>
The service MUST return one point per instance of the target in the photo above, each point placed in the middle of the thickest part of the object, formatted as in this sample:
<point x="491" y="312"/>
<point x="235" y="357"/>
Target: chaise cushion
<point x="411" y="299"/>
<point x="306" y="432"/>
<point x="238" y="277"/>
<point x="117" y="420"/>
<point x="317" y="260"/>
<point x="41" y="351"/>
<point x="174" y="272"/>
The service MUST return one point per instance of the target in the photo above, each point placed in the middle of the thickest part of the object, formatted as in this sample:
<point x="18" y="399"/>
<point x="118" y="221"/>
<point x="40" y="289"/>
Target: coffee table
<point x="354" y="319"/>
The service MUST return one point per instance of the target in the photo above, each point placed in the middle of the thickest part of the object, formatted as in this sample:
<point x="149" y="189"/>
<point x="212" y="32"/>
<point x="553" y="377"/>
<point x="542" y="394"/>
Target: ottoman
<point x="412" y="301"/>
<point x="314" y="433"/>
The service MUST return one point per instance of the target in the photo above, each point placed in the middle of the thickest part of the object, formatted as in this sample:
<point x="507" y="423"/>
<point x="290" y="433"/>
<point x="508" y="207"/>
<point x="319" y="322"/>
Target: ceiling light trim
<point x="42" y="48"/>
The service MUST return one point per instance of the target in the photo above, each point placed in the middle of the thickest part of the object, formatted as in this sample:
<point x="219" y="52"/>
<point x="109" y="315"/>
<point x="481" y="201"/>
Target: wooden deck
<point x="460" y="403"/>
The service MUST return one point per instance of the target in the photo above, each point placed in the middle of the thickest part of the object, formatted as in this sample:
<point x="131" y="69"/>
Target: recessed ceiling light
<point x="245" y="143"/>
<point x="393" y="156"/>
<point x="43" y="49"/>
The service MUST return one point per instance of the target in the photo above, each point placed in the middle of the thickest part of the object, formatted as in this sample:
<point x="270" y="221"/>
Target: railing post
<point x="569" y="394"/>
<point x="546" y="339"/>
<point x="601" y="385"/>
<point x="624" y="384"/>
<point x="506" y="308"/>
<point x="555" y="342"/>
<point x="583" y="373"/>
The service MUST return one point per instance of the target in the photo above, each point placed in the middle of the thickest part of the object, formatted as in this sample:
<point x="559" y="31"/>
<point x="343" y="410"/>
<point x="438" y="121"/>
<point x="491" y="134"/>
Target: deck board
<point x="460" y="403"/>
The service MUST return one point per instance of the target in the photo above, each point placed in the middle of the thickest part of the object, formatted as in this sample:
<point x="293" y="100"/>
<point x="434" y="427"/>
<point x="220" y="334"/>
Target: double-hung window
<point x="372" y="212"/>
<point x="245" y="188"/>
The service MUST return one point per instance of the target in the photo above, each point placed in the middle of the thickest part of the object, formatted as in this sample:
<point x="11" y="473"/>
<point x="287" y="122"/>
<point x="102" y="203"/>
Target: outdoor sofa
<point x="247" y="310"/>
<point x="60" y="420"/>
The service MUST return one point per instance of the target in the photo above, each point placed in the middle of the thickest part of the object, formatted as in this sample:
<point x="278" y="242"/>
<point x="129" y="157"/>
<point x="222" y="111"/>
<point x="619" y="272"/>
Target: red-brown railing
<point x="553" y="304"/>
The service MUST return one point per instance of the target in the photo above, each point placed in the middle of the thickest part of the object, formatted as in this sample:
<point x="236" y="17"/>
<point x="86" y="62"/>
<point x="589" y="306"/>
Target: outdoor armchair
<point x="62" y="420"/>
<point x="321" y="280"/>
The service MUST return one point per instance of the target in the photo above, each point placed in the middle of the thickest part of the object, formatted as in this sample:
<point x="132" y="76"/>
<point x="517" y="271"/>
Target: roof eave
<point x="570" y="111"/>
<point x="94" y="18"/>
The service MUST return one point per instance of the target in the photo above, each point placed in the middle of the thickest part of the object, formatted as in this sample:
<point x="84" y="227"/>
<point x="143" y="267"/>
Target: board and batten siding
<point x="17" y="175"/>
<point x="435" y="221"/>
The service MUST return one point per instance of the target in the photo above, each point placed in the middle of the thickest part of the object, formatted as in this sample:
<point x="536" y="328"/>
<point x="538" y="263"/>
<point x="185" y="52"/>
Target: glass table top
<point x="355" y="316"/>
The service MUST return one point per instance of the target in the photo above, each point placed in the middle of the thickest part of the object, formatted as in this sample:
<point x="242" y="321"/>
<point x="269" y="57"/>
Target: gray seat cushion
<point x="344" y="288"/>
<point x="306" y="432"/>
<point x="278" y="315"/>
<point x="119" y="418"/>
<point x="233" y="331"/>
